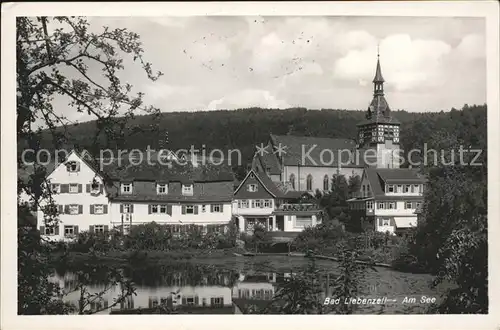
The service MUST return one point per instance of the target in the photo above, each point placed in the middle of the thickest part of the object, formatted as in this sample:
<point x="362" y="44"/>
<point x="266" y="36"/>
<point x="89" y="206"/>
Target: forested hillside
<point x="244" y="128"/>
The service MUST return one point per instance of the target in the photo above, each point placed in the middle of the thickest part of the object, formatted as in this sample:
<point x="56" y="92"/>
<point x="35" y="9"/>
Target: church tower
<point x="379" y="133"/>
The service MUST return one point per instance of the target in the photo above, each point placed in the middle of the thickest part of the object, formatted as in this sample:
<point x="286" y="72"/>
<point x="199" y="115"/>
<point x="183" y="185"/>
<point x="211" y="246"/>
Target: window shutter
<point x="196" y="300"/>
<point x="393" y="222"/>
<point x="64" y="188"/>
<point x="101" y="188"/>
<point x="169" y="209"/>
<point x="91" y="228"/>
<point x="66" y="209"/>
<point x="380" y="221"/>
<point x="121" y="208"/>
<point x="211" y="207"/>
<point x="183" y="209"/>
<point x="221" y="208"/>
<point x="79" y="188"/>
<point x="149" y="209"/>
<point x="91" y="209"/>
<point x="76" y="229"/>
<point x="131" y="208"/>
<point x="150" y="302"/>
<point x="196" y="209"/>
<point x="106" y="228"/>
<point x="60" y="208"/>
<point x="42" y="230"/>
<point x="87" y="187"/>
<point x="105" y="209"/>
<point x="184" y="300"/>
<point x="57" y="230"/>
<point x="80" y="209"/>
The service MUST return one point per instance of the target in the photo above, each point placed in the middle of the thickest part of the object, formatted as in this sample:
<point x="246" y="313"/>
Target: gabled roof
<point x="265" y="181"/>
<point x="85" y="158"/>
<point x="296" y="149"/>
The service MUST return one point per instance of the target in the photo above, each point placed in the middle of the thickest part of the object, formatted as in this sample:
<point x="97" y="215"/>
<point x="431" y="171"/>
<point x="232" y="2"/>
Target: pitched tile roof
<point x="202" y="192"/>
<point x="266" y="182"/>
<point x="400" y="174"/>
<point x="127" y="170"/>
<point x="269" y="161"/>
<point x="296" y="149"/>
<point x="379" y="176"/>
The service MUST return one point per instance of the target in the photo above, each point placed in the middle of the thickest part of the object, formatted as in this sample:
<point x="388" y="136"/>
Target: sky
<point x="230" y="62"/>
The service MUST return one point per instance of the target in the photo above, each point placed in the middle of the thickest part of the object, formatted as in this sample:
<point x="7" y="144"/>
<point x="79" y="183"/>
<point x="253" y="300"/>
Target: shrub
<point x="318" y="238"/>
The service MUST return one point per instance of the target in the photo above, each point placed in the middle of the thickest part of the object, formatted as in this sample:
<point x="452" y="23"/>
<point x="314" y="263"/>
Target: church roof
<point x="296" y="149"/>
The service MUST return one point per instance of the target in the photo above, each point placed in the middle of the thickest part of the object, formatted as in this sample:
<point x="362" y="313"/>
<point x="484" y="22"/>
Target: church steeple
<point x="378" y="81"/>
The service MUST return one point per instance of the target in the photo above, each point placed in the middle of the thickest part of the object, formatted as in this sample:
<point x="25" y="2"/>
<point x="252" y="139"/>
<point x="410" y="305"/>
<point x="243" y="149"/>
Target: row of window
<point x="161" y="189"/>
<point x="255" y="203"/>
<point x="309" y="182"/>
<point x="185" y="301"/>
<point x="75" y="188"/>
<point x="403" y="188"/>
<point x="72" y="230"/>
<point x="408" y="205"/>
<point x="74" y="209"/>
<point x="264" y="294"/>
<point x="167" y="209"/>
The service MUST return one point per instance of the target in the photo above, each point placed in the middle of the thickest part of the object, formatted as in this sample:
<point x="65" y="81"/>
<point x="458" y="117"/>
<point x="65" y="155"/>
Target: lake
<point x="229" y="285"/>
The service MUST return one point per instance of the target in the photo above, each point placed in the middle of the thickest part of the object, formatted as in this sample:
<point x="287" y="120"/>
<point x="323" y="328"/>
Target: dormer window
<point x="126" y="188"/>
<point x="161" y="188"/>
<point x="73" y="166"/>
<point x="389" y="188"/>
<point x="187" y="189"/>
<point x="252" y="187"/>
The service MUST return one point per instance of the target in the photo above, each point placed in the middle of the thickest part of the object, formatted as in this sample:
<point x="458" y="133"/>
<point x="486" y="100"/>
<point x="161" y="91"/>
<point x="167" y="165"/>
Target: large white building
<point x="127" y="194"/>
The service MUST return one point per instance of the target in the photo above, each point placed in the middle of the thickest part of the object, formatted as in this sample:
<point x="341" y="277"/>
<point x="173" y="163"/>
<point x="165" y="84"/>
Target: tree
<point x="54" y="57"/>
<point x="464" y="258"/>
<point x="451" y="237"/>
<point x="354" y="184"/>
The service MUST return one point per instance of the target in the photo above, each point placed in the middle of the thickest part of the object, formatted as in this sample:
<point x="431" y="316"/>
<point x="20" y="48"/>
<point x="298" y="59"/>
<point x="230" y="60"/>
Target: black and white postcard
<point x="163" y="163"/>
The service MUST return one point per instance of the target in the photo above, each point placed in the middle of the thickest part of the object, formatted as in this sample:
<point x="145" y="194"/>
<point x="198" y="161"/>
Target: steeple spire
<point x="378" y="81"/>
<point x="378" y="73"/>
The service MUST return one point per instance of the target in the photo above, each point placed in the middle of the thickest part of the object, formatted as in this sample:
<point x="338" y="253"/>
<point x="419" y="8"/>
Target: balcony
<point x="297" y="209"/>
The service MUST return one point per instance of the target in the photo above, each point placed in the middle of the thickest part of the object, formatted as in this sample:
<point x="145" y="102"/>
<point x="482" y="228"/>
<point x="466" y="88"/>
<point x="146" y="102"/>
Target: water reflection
<point x="206" y="289"/>
<point x="189" y="288"/>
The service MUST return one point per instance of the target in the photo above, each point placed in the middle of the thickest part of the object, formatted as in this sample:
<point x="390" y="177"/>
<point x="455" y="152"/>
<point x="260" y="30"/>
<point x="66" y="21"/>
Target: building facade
<point x="80" y="197"/>
<point x="388" y="200"/>
<point x="124" y="195"/>
<point x="259" y="200"/>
